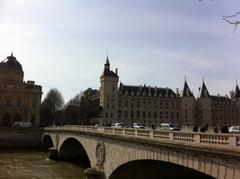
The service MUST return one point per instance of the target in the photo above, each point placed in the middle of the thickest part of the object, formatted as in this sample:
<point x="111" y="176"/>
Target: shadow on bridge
<point x="47" y="143"/>
<point x="142" y="169"/>
<point x="73" y="151"/>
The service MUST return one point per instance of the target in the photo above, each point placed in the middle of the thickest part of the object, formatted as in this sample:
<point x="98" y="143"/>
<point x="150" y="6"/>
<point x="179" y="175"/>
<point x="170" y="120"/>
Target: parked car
<point x="234" y="129"/>
<point x="22" y="124"/>
<point x="166" y="126"/>
<point x="118" y="125"/>
<point x="138" y="125"/>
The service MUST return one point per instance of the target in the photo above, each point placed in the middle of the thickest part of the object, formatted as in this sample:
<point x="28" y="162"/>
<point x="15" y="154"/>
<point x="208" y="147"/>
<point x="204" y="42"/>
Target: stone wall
<point x="20" y="138"/>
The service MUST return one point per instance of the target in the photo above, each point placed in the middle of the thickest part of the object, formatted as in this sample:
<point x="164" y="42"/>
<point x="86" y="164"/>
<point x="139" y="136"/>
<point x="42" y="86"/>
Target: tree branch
<point x="232" y="22"/>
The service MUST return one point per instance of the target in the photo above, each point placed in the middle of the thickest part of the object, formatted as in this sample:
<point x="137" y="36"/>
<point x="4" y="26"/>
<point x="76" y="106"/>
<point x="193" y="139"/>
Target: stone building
<point x="148" y="105"/>
<point x="218" y="110"/>
<point x="19" y="100"/>
<point x="153" y="105"/>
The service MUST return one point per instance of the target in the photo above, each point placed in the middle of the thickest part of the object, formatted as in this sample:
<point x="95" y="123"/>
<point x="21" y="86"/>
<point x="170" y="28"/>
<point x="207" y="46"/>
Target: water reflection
<point x="33" y="164"/>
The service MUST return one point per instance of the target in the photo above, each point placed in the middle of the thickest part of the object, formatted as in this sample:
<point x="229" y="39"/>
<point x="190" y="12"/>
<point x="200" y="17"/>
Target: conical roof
<point x="204" y="91"/>
<point x="236" y="92"/>
<point x="186" y="90"/>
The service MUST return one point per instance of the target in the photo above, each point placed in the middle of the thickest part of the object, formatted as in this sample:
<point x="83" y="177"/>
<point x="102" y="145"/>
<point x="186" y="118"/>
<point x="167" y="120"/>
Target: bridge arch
<point x="191" y="161"/>
<point x="73" y="150"/>
<point x="155" y="169"/>
<point x="47" y="142"/>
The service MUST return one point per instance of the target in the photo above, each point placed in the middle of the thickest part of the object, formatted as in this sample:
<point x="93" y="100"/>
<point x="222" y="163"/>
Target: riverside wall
<point x="20" y="137"/>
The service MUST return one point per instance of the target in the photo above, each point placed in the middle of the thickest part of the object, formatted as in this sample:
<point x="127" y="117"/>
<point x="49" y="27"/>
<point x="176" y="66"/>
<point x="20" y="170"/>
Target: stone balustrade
<point x="218" y="139"/>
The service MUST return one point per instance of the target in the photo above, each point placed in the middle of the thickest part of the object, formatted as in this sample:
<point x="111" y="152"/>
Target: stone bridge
<point x="114" y="153"/>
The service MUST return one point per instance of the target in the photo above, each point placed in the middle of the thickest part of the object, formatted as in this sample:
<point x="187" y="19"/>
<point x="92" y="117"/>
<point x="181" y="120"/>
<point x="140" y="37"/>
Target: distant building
<point x="154" y="105"/>
<point x="19" y="100"/>
<point x="218" y="110"/>
<point x="148" y="105"/>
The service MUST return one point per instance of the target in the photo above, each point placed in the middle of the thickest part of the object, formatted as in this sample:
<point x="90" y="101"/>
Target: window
<point x="34" y="104"/>
<point x="126" y="103"/>
<point x="144" y="114"/>
<point x="138" y="104"/>
<point x="119" y="113"/>
<point x="149" y="114"/>
<point x="126" y="114"/>
<point x="138" y="114"/>
<point x="19" y="103"/>
<point x="8" y="103"/>
<point x="106" y="115"/>
<point x="132" y="114"/>
<point x="155" y="114"/>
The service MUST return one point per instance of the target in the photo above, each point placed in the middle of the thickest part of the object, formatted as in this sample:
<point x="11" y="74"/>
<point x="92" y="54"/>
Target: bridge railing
<point x="224" y="140"/>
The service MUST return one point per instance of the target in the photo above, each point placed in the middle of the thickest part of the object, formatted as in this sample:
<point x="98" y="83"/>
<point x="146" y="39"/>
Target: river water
<point x="33" y="164"/>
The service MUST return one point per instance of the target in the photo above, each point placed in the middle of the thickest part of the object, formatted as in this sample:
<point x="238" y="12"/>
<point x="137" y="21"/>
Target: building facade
<point x="19" y="100"/>
<point x="154" y="105"/>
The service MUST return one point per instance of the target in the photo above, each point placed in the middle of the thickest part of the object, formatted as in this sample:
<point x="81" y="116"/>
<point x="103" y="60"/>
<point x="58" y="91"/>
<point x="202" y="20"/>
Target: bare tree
<point x="81" y="108"/>
<point x="231" y="19"/>
<point x="51" y="106"/>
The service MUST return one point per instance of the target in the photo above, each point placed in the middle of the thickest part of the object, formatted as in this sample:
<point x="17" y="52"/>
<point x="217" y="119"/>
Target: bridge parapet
<point x="220" y="140"/>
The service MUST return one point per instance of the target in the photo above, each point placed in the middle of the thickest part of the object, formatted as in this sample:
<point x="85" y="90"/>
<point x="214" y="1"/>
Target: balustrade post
<point x="233" y="141"/>
<point x="151" y="134"/>
<point x="100" y="129"/>
<point x="197" y="138"/>
<point x="170" y="135"/>
<point x="135" y="132"/>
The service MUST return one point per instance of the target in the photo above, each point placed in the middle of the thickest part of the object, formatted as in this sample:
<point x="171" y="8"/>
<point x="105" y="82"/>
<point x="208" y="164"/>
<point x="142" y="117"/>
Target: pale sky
<point x="64" y="43"/>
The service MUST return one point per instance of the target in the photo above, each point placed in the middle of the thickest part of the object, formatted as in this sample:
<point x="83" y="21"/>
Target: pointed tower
<point x="188" y="103"/>
<point x="108" y="95"/>
<point x="205" y="106"/>
<point x="236" y="92"/>
<point x="204" y="91"/>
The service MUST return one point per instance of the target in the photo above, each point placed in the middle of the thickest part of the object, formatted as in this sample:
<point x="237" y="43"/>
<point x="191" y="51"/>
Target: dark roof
<point x="237" y="92"/>
<point x="164" y="92"/>
<point x="107" y="71"/>
<point x="186" y="91"/>
<point x="11" y="63"/>
<point x="204" y="91"/>
<point x="220" y="99"/>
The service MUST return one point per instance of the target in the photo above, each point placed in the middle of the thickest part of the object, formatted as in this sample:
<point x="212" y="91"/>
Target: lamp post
<point x="132" y="102"/>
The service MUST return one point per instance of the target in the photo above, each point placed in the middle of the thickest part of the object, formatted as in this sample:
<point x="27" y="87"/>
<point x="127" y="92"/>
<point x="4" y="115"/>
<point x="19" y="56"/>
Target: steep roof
<point x="148" y="90"/>
<point x="236" y="92"/>
<point x="186" y="90"/>
<point x="204" y="91"/>
<point x="107" y="71"/>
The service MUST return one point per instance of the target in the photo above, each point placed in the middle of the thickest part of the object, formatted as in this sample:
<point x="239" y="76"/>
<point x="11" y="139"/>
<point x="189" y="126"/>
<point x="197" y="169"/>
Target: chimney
<point x="116" y="71"/>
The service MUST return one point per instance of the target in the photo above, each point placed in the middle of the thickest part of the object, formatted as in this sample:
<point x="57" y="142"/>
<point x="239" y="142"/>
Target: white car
<point x="118" y="125"/>
<point x="234" y="129"/>
<point x="166" y="126"/>
<point x="138" y="126"/>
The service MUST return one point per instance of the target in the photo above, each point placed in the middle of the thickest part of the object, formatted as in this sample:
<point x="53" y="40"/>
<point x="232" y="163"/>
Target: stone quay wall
<point x="20" y="137"/>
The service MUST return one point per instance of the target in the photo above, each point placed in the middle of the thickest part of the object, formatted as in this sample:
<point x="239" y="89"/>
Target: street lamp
<point x="132" y="102"/>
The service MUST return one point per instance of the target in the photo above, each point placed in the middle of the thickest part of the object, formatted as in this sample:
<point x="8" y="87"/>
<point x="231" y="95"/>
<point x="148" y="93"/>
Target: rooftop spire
<point x="204" y="91"/>
<point x="186" y="90"/>
<point x="237" y="91"/>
